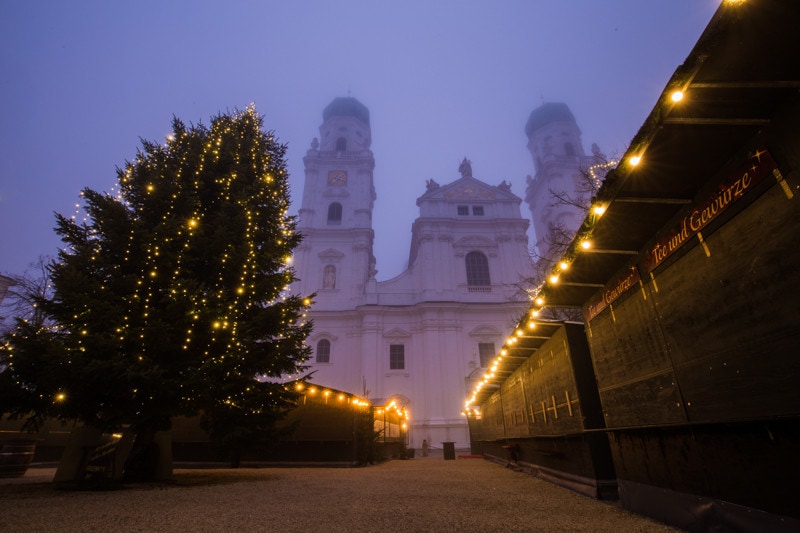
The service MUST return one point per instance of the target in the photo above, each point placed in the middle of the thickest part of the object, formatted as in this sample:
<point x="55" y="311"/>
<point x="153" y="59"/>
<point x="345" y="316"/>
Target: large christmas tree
<point x="172" y="298"/>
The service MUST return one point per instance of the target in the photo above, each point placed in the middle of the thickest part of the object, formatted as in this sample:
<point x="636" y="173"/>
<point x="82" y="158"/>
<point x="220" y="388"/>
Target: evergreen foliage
<point x="172" y="298"/>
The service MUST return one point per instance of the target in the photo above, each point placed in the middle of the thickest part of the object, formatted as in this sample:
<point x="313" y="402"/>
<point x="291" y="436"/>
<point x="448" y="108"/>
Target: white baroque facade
<point x="422" y="338"/>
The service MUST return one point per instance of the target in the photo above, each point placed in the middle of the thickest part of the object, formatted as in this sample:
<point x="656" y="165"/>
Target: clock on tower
<point x="337" y="177"/>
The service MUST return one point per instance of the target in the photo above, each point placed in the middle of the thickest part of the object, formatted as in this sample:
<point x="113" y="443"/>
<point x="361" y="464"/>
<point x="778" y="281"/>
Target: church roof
<point x="546" y="114"/>
<point x="346" y="106"/>
<point x="468" y="188"/>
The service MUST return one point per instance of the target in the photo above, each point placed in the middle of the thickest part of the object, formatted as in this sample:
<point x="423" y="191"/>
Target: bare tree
<point x="559" y="236"/>
<point x="23" y="297"/>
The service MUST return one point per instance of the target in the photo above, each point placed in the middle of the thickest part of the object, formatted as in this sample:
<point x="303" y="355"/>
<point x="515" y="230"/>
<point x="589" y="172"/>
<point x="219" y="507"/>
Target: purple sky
<point x="83" y="81"/>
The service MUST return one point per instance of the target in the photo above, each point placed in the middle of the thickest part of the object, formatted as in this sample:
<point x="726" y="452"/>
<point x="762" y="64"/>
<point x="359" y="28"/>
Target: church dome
<point x="546" y="114"/>
<point x="346" y="106"/>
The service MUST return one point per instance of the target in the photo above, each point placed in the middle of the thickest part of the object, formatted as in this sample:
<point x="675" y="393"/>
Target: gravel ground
<point x="423" y="494"/>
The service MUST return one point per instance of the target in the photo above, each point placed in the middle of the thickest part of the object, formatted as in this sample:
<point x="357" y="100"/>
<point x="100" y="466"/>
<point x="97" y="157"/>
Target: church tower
<point x="335" y="259"/>
<point x="554" y="142"/>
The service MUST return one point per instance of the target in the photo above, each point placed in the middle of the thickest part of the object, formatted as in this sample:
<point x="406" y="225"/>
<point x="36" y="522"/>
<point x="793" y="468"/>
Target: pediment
<point x="397" y="333"/>
<point x="475" y="241"/>
<point x="330" y="254"/>
<point x="467" y="188"/>
<point x="485" y="331"/>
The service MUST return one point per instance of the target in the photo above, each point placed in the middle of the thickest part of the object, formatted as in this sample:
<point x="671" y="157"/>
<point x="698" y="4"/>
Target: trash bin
<point x="449" y="450"/>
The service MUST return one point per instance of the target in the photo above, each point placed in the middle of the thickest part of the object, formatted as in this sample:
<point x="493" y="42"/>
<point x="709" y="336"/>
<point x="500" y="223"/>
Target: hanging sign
<point x="611" y="292"/>
<point x="745" y="178"/>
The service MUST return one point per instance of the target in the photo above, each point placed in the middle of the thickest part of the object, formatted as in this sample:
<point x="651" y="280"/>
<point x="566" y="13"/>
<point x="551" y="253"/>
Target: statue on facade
<point x="431" y="184"/>
<point x="465" y="168"/>
<point x="505" y="186"/>
<point x="329" y="279"/>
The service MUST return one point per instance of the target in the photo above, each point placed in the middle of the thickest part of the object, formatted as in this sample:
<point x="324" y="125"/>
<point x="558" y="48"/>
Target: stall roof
<point x="744" y="67"/>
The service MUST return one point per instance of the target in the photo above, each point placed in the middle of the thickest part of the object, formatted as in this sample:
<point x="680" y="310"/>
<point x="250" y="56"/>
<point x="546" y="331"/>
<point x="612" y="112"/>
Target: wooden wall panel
<point x="492" y="418"/>
<point x="731" y="317"/>
<point x="545" y="395"/>
<point x="635" y="374"/>
<point x="515" y="418"/>
<point x="552" y="395"/>
<point x="626" y="341"/>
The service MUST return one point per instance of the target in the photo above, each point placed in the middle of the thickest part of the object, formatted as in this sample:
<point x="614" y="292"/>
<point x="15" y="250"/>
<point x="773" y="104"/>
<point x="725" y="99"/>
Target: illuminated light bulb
<point x="599" y="209"/>
<point x="519" y="333"/>
<point x="60" y="397"/>
<point x="503" y="351"/>
<point x="531" y="325"/>
<point x="563" y="265"/>
<point x="635" y="160"/>
<point x="299" y="386"/>
<point x="539" y="301"/>
<point x="535" y="313"/>
<point x="240" y="290"/>
<point x="586" y="245"/>
<point x="554" y="278"/>
<point x="676" y="96"/>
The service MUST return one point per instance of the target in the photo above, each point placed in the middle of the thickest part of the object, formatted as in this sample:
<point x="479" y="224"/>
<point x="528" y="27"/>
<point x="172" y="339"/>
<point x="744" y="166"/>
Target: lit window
<point x="463" y="210"/>
<point x="397" y="357"/>
<point x="324" y="351"/>
<point x="335" y="213"/>
<point x="477" y="210"/>
<point x="477" y="270"/>
<point x="486" y="353"/>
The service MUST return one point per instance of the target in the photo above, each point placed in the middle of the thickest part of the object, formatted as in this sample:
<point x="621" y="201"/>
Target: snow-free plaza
<point x="646" y="380"/>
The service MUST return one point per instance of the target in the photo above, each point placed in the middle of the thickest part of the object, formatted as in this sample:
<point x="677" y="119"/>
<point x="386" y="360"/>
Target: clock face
<point x="337" y="177"/>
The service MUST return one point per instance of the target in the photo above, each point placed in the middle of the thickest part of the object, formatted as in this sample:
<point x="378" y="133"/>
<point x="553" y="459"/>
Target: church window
<point x="477" y="270"/>
<point x="569" y="149"/>
<point x="477" y="210"/>
<point x="397" y="357"/>
<point x="335" y="213"/>
<point x="341" y="144"/>
<point x="486" y="353"/>
<point x="463" y="210"/>
<point x="324" y="351"/>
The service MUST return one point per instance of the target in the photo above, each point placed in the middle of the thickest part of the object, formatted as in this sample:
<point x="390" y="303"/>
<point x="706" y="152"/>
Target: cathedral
<point x="424" y="337"/>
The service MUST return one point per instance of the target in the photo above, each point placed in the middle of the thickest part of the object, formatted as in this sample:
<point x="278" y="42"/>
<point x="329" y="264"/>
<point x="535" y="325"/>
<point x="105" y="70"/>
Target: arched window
<point x="341" y="144"/>
<point x="477" y="270"/>
<point x="324" y="351"/>
<point x="335" y="213"/>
